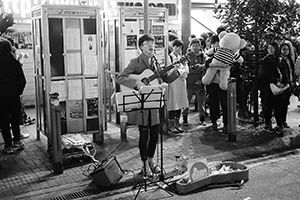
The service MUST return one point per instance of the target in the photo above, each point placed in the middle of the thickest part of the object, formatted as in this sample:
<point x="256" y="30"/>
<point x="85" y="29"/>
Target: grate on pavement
<point x="76" y="195"/>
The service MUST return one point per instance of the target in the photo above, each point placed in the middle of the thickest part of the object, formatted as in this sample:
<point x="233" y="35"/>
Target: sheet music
<point x="131" y="99"/>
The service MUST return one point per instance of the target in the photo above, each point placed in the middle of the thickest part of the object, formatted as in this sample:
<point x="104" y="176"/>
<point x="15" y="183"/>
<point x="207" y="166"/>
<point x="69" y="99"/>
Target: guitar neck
<point x="164" y="70"/>
<point x="160" y="73"/>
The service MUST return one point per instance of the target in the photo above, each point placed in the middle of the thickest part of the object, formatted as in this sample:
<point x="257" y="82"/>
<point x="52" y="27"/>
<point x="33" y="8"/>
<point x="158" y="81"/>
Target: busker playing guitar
<point x="149" y="123"/>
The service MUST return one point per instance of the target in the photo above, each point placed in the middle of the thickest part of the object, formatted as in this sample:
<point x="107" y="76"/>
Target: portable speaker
<point x="107" y="173"/>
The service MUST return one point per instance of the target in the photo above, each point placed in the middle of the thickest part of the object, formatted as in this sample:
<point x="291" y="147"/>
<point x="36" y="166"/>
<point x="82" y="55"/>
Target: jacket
<point x="137" y="66"/>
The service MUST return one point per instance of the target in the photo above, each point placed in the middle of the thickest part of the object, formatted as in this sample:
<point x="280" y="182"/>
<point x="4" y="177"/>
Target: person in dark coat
<point x="12" y="84"/>
<point x="274" y="72"/>
<point x="148" y="121"/>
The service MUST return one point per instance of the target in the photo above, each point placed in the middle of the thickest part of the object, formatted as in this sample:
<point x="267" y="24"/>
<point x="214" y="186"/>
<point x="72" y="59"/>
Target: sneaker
<point x="18" y="145"/>
<point x="179" y="129"/>
<point x="285" y="125"/>
<point x="9" y="150"/>
<point x="203" y="123"/>
<point x="279" y="131"/>
<point x="268" y="128"/>
<point x="173" y="130"/>
<point x="29" y="121"/>
<point x="24" y="136"/>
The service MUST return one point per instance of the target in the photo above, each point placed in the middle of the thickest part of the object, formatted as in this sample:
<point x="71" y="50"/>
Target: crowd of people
<point x="185" y="80"/>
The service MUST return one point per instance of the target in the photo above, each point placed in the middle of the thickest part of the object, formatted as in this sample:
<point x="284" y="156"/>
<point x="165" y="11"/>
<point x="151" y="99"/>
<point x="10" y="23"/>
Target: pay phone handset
<point x="148" y="77"/>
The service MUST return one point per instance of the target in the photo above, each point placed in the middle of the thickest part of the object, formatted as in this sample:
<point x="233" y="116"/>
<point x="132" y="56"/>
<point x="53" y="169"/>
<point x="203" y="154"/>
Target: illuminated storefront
<point x="21" y="8"/>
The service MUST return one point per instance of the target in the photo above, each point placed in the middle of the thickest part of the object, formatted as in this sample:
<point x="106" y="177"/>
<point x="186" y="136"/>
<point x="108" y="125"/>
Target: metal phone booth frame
<point x="68" y="61"/>
<point x="122" y="28"/>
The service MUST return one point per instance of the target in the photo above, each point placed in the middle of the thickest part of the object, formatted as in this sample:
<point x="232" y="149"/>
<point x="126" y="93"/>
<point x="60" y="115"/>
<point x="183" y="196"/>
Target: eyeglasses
<point x="148" y="43"/>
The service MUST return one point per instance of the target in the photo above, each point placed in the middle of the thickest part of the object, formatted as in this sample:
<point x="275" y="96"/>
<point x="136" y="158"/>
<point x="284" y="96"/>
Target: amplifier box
<point x="107" y="173"/>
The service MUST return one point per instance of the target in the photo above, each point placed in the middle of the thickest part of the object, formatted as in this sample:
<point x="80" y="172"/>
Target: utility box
<point x="122" y="28"/>
<point x="68" y="60"/>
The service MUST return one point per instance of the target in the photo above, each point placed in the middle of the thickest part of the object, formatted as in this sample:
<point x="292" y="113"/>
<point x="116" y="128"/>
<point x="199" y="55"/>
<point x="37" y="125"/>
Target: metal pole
<point x="123" y="126"/>
<point x="185" y="22"/>
<point x="146" y="17"/>
<point x="231" y="110"/>
<point x="56" y="134"/>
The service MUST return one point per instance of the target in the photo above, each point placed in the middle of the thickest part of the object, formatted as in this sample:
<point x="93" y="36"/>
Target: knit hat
<point x="194" y="40"/>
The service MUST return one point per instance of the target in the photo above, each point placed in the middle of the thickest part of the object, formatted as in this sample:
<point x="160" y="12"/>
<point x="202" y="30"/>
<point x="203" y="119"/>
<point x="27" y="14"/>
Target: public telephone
<point x="68" y="60"/>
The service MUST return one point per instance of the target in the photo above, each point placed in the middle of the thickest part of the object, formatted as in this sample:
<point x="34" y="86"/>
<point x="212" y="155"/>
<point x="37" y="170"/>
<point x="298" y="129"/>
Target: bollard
<point x="123" y="126"/>
<point x="56" y="134"/>
<point x="231" y="110"/>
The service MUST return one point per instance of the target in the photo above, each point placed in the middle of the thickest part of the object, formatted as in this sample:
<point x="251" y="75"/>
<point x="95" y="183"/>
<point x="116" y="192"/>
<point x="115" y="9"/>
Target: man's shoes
<point x="24" y="136"/>
<point x="18" y="145"/>
<point x="154" y="168"/>
<point x="9" y="150"/>
<point x="145" y="166"/>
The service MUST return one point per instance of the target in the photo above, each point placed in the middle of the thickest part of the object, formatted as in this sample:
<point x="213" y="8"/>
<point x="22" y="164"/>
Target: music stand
<point x="148" y="97"/>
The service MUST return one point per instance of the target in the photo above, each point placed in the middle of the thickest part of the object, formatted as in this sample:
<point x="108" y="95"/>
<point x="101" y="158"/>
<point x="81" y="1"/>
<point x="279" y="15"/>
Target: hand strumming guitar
<point x="139" y="84"/>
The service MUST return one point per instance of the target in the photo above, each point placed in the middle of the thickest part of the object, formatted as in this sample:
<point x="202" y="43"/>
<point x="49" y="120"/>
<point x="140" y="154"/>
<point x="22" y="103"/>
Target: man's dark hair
<point x="178" y="43"/>
<point x="145" y="37"/>
<point x="172" y="37"/>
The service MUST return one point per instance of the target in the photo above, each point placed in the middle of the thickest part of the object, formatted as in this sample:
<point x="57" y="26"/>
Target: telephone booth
<point x="68" y="60"/>
<point x="122" y="28"/>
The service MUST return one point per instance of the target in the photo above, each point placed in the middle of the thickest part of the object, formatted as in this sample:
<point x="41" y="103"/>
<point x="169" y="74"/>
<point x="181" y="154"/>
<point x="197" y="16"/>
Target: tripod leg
<point x="137" y="194"/>
<point x="145" y="174"/>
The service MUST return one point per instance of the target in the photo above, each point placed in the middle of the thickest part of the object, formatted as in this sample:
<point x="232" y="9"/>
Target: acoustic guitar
<point x="148" y="77"/>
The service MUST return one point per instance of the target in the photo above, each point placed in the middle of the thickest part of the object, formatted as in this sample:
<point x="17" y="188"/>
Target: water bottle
<point x="177" y="163"/>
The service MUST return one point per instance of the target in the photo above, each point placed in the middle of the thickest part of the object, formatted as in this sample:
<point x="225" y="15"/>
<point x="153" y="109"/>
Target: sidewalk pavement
<point x="28" y="174"/>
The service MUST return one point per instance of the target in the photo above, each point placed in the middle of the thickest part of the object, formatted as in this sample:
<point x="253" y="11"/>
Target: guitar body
<point x="145" y="74"/>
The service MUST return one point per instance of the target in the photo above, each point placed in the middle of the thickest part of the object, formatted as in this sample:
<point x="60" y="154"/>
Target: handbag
<point x="278" y="90"/>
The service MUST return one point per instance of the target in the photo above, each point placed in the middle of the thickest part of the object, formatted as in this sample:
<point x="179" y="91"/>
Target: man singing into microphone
<point x="148" y="121"/>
